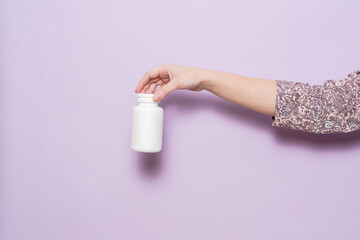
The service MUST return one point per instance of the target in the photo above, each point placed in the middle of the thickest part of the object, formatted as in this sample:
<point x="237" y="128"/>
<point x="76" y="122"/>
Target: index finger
<point x="152" y="74"/>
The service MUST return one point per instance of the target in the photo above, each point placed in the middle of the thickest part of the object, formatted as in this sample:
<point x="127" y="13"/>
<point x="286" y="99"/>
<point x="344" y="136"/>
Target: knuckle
<point x="147" y="74"/>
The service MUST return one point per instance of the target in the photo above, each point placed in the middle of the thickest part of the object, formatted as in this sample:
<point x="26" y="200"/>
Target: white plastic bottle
<point x="147" y="125"/>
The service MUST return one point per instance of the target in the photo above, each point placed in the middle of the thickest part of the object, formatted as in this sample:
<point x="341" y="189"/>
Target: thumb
<point x="164" y="90"/>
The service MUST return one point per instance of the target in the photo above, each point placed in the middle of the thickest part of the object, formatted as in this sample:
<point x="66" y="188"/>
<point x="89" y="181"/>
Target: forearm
<point x="253" y="93"/>
<point x="331" y="107"/>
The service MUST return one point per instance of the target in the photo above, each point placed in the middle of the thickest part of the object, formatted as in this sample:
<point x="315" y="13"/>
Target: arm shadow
<point x="187" y="102"/>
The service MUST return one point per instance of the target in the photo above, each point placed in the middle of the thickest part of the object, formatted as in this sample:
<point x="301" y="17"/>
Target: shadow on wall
<point x="150" y="164"/>
<point x="186" y="102"/>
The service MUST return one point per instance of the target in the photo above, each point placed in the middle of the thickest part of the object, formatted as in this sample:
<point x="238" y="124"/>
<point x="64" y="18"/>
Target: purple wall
<point x="68" y="72"/>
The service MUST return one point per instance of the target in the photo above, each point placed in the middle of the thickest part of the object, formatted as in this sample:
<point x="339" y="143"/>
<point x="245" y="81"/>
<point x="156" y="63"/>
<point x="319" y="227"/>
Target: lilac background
<point x="68" y="71"/>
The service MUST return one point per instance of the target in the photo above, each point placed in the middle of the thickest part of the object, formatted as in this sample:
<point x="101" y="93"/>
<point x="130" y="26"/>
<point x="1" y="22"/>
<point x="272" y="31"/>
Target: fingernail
<point x="155" y="98"/>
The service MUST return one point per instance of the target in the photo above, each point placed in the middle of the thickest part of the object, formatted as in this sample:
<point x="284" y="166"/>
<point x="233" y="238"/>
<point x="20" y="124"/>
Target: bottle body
<point x="147" y="125"/>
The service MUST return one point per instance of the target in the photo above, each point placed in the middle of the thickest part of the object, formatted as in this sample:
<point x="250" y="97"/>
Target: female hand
<point x="170" y="77"/>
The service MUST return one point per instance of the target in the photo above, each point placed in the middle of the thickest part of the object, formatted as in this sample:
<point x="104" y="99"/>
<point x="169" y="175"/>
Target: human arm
<point x="331" y="107"/>
<point x="328" y="108"/>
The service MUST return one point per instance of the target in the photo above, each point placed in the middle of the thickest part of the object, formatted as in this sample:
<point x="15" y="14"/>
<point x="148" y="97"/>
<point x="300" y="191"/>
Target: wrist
<point x="211" y="78"/>
<point x="208" y="79"/>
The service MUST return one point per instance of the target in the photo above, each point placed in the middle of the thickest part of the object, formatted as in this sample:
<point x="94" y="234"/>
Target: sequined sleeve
<point x="331" y="107"/>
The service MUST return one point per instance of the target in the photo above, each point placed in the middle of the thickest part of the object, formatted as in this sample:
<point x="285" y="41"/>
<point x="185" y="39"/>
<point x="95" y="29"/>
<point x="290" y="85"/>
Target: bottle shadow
<point x="150" y="164"/>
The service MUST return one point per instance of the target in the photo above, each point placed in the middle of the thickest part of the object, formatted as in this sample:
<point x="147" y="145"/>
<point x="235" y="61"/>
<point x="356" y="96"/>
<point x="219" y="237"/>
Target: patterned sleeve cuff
<point x="328" y="108"/>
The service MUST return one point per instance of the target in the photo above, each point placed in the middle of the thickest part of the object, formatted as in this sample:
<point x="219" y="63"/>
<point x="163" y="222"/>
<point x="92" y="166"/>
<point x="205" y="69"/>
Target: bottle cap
<point x="145" y="97"/>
